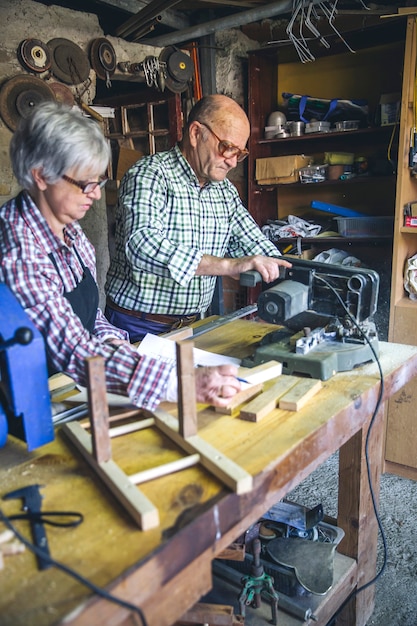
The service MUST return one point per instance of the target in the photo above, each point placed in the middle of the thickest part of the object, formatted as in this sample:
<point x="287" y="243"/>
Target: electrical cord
<point x="368" y="465"/>
<point x="64" y="568"/>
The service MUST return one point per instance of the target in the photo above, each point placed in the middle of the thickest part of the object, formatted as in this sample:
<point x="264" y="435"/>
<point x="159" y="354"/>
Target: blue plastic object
<point x="26" y="411"/>
<point x="333" y="208"/>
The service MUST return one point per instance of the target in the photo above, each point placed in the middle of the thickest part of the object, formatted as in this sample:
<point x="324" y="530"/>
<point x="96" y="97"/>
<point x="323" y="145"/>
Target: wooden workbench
<point x="167" y="569"/>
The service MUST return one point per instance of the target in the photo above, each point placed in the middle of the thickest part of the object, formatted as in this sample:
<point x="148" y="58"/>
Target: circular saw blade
<point x="34" y="55"/>
<point x="69" y="62"/>
<point x="102" y="57"/>
<point x="20" y="95"/>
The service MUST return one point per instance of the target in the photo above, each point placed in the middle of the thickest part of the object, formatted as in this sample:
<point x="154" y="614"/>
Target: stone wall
<point x="27" y="19"/>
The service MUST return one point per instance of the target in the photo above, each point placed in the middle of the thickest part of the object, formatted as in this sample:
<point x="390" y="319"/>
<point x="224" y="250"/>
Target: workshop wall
<point x="27" y="19"/>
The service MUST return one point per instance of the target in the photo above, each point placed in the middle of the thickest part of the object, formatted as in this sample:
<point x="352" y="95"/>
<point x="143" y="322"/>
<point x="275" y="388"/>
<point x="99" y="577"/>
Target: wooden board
<point x="300" y="394"/>
<point x="267" y="401"/>
<point x="261" y="373"/>
<point x="241" y="397"/>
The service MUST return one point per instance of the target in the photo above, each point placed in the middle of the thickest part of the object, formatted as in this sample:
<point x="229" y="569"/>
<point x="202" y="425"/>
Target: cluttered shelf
<point x="327" y="182"/>
<point x="373" y="132"/>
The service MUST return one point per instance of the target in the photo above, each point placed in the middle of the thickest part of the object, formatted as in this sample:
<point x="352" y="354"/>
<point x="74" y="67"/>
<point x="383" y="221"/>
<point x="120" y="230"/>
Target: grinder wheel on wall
<point x="63" y="94"/>
<point x="34" y="55"/>
<point x="20" y="95"/>
<point x="69" y="62"/>
<point x="102" y="58"/>
<point x="179" y="68"/>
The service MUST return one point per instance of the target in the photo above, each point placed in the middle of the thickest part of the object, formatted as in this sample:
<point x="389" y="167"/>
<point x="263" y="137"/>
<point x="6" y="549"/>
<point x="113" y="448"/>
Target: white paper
<point x="164" y="349"/>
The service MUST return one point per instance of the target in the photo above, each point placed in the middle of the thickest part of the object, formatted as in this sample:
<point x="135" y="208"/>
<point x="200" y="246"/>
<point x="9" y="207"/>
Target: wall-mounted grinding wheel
<point x="62" y="94"/>
<point x="69" y="62"/>
<point x="20" y="95"/>
<point x="102" y="58"/>
<point x="179" y="68"/>
<point x="34" y="55"/>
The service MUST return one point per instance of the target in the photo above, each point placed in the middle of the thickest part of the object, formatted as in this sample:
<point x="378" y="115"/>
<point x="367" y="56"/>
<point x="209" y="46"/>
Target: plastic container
<point x="365" y="226"/>
<point x="313" y="173"/>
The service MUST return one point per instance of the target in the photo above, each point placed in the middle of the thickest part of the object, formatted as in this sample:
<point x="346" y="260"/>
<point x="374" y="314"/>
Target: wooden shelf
<point x="361" y="133"/>
<point x="355" y="180"/>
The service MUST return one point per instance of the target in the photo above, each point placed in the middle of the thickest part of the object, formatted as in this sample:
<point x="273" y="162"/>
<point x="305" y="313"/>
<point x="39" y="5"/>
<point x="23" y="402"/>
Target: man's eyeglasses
<point x="85" y="187"/>
<point x="227" y="149"/>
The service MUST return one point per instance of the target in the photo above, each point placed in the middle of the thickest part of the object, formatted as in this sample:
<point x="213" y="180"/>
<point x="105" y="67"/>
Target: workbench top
<point x="199" y="517"/>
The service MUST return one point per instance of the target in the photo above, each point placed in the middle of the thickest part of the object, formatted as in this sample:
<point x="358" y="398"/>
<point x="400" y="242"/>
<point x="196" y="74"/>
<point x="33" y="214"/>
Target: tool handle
<point x="250" y="278"/>
<point x="40" y="540"/>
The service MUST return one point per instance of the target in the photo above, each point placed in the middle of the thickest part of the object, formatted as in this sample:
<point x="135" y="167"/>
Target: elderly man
<point x="180" y="223"/>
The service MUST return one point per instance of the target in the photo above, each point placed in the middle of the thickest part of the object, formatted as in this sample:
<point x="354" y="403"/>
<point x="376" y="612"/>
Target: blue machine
<point x="25" y="407"/>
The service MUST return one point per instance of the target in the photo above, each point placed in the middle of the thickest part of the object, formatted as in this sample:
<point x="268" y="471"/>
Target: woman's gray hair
<point x="57" y="139"/>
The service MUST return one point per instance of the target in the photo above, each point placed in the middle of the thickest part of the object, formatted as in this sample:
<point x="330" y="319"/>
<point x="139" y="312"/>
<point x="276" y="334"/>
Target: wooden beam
<point x="187" y="401"/>
<point x="98" y="408"/>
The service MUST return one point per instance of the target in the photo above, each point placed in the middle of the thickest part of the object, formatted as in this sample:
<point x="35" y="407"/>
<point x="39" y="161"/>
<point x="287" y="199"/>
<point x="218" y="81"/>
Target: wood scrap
<point x="242" y="396"/>
<point x="267" y="401"/>
<point x="300" y="394"/>
<point x="261" y="373"/>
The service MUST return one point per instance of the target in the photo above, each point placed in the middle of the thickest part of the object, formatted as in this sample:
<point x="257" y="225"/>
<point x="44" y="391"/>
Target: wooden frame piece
<point x="96" y="448"/>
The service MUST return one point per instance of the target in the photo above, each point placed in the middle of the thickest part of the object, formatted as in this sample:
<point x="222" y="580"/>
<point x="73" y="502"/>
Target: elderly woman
<point x="59" y="157"/>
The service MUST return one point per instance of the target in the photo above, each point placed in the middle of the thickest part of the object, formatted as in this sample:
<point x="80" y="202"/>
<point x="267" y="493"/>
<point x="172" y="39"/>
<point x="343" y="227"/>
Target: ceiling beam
<point x="231" y="21"/>
<point x="173" y="19"/>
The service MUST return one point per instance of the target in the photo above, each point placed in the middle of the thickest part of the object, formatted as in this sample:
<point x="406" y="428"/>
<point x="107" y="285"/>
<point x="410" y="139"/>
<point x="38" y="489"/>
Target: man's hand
<point x="267" y="266"/>
<point x="216" y="385"/>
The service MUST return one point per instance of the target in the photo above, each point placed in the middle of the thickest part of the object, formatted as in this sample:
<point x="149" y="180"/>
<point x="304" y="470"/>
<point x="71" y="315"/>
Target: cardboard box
<point x="280" y="170"/>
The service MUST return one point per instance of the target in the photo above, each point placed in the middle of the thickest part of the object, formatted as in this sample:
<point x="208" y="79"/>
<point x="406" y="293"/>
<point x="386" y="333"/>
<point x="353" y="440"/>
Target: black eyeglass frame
<point x="88" y="187"/>
<point x="225" y="146"/>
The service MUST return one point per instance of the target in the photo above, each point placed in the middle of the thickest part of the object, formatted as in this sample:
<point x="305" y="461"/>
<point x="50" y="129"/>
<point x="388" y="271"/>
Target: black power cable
<point x="64" y="568"/>
<point x="355" y="592"/>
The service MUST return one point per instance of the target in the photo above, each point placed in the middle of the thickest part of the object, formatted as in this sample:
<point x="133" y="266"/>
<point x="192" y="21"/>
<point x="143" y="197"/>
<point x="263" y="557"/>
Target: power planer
<point x="325" y="318"/>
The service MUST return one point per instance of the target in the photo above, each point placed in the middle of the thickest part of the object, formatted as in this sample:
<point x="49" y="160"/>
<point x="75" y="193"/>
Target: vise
<point x="25" y="407"/>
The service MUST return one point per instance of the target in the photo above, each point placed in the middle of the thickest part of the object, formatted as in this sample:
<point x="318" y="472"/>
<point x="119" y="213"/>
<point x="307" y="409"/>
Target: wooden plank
<point x="241" y="397"/>
<point x="226" y="470"/>
<point x="261" y="373"/>
<point x="300" y="394"/>
<point x="141" y="510"/>
<point x="163" y="470"/>
<point x="267" y="401"/>
<point x="98" y="408"/>
<point x="187" y="400"/>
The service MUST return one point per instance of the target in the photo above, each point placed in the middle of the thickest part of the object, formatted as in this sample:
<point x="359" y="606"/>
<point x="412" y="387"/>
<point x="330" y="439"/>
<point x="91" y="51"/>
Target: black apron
<point x="84" y="297"/>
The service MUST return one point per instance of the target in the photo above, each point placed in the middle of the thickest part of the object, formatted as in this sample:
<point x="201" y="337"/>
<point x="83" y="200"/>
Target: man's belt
<point x="177" y="320"/>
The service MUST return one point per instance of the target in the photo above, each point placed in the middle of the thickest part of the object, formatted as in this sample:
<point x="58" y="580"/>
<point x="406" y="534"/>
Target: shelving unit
<point x="401" y="429"/>
<point x="385" y="62"/>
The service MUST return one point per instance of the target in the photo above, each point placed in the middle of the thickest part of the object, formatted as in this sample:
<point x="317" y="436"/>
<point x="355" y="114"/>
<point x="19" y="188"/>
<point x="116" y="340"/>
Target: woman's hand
<point x="216" y="385"/>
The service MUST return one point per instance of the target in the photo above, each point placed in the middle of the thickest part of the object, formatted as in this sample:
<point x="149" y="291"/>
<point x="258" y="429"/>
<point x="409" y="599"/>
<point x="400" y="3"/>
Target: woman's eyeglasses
<point x="227" y="149"/>
<point x="86" y="187"/>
